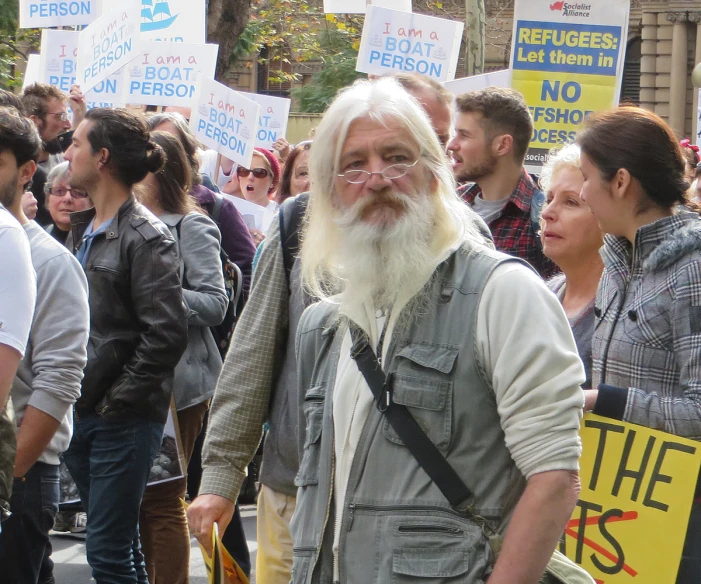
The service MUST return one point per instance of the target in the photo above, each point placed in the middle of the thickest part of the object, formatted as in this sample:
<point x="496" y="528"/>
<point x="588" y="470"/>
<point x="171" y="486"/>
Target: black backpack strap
<point x="407" y="428"/>
<point x="216" y="210"/>
<point x="291" y="214"/>
<point x="537" y="206"/>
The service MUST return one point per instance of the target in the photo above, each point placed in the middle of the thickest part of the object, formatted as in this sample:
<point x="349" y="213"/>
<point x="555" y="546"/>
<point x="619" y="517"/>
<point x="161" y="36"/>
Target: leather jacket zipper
<point x="105" y="269"/>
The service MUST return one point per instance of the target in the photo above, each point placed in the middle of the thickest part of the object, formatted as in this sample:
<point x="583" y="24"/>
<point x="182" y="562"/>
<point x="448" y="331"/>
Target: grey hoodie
<point x="49" y="376"/>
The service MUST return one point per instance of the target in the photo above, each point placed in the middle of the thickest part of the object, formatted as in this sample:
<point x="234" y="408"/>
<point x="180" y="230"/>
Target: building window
<point x="630" y="88"/>
<point x="276" y="62"/>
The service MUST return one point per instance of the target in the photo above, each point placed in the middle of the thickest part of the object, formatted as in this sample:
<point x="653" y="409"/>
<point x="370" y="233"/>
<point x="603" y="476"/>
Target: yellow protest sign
<point x="637" y="489"/>
<point x="567" y="60"/>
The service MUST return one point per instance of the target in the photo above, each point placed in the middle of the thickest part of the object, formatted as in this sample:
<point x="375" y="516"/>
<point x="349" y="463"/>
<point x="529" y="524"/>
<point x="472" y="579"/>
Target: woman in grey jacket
<point x="164" y="532"/>
<point x="646" y="346"/>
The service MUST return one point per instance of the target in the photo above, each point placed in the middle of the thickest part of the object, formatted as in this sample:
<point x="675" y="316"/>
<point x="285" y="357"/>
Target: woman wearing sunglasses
<point x="258" y="185"/>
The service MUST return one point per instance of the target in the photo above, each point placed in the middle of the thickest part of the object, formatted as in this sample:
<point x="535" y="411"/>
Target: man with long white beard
<point x="403" y="274"/>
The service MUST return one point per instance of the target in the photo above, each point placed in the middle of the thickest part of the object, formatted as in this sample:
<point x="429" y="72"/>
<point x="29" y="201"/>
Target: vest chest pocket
<point x="314" y="417"/>
<point x="423" y="383"/>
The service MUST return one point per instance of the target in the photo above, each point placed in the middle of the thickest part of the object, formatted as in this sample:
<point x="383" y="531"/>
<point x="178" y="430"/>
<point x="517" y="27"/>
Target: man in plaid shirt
<point x="493" y="130"/>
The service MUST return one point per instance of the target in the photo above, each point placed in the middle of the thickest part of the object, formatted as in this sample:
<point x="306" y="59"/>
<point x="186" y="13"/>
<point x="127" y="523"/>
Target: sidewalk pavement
<point x="71" y="567"/>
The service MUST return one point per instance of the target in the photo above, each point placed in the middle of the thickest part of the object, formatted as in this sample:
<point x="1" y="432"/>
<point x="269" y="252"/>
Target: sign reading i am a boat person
<point x="394" y="42"/>
<point x="108" y="44"/>
<point x="48" y="13"/>
<point x="166" y="72"/>
<point x="177" y="21"/>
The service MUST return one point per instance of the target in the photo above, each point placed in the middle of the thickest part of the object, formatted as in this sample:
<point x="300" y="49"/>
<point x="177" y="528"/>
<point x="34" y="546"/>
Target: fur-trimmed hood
<point x="682" y="241"/>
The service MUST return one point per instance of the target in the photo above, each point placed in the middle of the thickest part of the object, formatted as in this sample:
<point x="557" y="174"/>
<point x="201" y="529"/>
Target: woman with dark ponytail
<point x="646" y="346"/>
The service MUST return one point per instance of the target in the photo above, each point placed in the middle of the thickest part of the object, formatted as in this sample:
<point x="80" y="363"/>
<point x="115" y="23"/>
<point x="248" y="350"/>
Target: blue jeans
<point x="25" y="542"/>
<point x="110" y="461"/>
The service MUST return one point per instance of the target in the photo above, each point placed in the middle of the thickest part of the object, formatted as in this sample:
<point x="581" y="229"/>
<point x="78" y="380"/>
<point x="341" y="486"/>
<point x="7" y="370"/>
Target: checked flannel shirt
<point x="512" y="230"/>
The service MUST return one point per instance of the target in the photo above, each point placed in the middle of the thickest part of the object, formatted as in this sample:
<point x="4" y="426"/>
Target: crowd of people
<point x="420" y="330"/>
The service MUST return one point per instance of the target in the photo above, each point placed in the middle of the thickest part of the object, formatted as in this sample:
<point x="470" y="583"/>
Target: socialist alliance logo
<point x="568" y="9"/>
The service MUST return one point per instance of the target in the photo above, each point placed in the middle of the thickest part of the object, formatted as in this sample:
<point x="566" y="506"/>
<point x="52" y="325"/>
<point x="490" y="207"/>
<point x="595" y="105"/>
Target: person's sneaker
<point x="79" y="522"/>
<point x="62" y="522"/>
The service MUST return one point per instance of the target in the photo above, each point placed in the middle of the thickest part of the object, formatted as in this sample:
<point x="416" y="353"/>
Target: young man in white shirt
<point x="17" y="285"/>
<point x="47" y="382"/>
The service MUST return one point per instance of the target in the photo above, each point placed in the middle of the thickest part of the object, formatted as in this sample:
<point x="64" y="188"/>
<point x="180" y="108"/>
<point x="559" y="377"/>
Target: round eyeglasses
<point x="63" y="191"/>
<point x="392" y="172"/>
<point x="63" y="116"/>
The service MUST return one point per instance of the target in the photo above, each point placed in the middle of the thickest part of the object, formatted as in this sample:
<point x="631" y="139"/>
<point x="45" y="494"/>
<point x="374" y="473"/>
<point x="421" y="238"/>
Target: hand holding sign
<point x="78" y="105"/>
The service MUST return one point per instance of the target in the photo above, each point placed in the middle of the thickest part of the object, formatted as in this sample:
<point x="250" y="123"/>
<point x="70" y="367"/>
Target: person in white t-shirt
<point x="17" y="278"/>
<point x="17" y="297"/>
<point x="17" y="289"/>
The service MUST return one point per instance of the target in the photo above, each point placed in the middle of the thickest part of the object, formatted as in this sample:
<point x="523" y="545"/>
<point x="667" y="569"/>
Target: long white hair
<point x="382" y="101"/>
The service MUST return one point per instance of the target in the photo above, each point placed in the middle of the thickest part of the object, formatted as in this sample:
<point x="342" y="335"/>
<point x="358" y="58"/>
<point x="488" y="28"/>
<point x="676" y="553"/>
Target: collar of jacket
<point x="171" y="219"/>
<point x="521" y="196"/>
<point x="658" y="245"/>
<point x="81" y="219"/>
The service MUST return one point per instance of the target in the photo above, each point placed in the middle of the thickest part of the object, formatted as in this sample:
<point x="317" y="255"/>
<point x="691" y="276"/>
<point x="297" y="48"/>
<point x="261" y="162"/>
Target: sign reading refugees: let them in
<point x="108" y="44"/>
<point x="58" y="67"/>
<point x="224" y="120"/>
<point x="637" y="487"/>
<point x="166" y="72"/>
<point x="47" y="13"/>
<point x="394" y="42"/>
<point x="567" y="60"/>
<point x="272" y="123"/>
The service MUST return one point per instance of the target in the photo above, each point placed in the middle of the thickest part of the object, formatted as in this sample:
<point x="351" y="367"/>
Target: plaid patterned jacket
<point x="647" y="337"/>
<point x="512" y="230"/>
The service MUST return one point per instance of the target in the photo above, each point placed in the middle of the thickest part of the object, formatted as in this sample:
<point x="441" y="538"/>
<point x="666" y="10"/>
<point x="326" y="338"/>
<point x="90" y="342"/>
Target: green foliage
<point x="14" y="43"/>
<point x="338" y="72"/>
<point x="298" y="31"/>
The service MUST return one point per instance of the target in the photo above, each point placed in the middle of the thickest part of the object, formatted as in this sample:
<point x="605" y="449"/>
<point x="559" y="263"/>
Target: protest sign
<point x="493" y="79"/>
<point x="224" y="120"/>
<point x="59" y="49"/>
<point x="178" y="21"/>
<point x="168" y="465"/>
<point x="272" y="123"/>
<point x="395" y="41"/>
<point x="31" y="73"/>
<point x="567" y="61"/>
<point x="637" y="487"/>
<point x="359" y="6"/>
<point x="46" y="13"/>
<point x="165" y="73"/>
<point x="221" y="567"/>
<point x="108" y="44"/>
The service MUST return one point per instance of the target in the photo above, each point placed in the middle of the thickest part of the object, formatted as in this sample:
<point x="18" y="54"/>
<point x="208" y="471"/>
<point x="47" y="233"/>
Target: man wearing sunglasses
<point x="47" y="383"/>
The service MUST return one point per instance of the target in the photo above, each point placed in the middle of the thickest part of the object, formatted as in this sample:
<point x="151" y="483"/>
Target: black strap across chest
<point x="406" y="427"/>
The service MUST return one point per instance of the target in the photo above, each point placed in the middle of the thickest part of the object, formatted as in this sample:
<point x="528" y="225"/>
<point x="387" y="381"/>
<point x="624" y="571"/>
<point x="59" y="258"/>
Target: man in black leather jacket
<point x="138" y="333"/>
